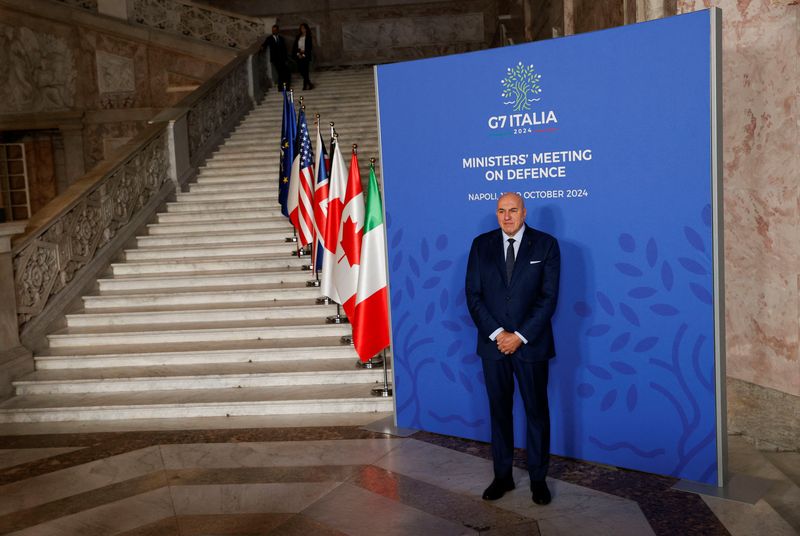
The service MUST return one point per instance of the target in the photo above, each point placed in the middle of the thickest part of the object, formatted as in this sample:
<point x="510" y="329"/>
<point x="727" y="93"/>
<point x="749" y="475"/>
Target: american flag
<point x="303" y="215"/>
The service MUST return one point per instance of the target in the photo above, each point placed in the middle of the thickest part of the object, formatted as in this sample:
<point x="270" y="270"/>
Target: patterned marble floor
<point x="344" y="480"/>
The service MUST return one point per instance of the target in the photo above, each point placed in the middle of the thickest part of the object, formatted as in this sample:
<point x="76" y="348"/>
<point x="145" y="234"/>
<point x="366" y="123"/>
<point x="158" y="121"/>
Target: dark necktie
<point x="510" y="259"/>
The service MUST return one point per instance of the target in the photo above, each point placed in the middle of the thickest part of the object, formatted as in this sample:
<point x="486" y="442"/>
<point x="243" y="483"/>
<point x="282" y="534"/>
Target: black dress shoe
<point x="540" y="494"/>
<point x="497" y="489"/>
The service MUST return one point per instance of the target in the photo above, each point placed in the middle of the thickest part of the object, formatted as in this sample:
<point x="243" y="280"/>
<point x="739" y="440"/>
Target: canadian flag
<point x="347" y="258"/>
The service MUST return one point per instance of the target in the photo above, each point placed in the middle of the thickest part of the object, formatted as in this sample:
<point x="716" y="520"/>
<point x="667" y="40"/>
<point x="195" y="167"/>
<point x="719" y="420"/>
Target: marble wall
<point x="116" y="75"/>
<point x="378" y="31"/>
<point x="38" y="71"/>
<point x="761" y="114"/>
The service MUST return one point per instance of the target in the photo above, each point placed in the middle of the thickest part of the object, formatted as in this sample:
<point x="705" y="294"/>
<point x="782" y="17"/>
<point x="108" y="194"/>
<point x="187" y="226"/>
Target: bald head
<point x="510" y="212"/>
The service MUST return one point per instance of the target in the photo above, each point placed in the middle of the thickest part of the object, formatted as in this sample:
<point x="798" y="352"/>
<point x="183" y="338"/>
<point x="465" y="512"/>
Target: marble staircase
<point x="209" y="315"/>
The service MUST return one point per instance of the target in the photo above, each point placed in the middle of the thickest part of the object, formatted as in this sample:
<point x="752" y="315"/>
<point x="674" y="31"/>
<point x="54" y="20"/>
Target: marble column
<point x="569" y="17"/>
<point x="72" y="135"/>
<point x="15" y="359"/>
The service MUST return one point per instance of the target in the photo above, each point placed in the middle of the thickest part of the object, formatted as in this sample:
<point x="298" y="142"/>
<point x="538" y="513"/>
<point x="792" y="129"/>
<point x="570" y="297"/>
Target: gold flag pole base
<point x="347" y="339"/>
<point x="324" y="301"/>
<point x="384" y="391"/>
<point x="372" y="363"/>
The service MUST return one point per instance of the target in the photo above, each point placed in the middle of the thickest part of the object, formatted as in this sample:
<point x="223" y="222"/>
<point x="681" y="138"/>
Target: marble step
<point x="243" y="164"/>
<point x="198" y="206"/>
<point x="150" y="284"/>
<point x="162" y="355"/>
<point x="197" y="403"/>
<point x="318" y="101"/>
<point x="236" y="314"/>
<point x="262" y="155"/>
<point x="322" y="371"/>
<point x="261" y="127"/>
<point x="254" y="247"/>
<point x="152" y="334"/>
<point x="243" y="185"/>
<point x="270" y="152"/>
<point x="272" y="224"/>
<point x="269" y="213"/>
<point x="202" y="296"/>
<point x="238" y="176"/>
<point x="197" y="239"/>
<point x="264" y="192"/>
<point x="211" y="264"/>
<point x="146" y="243"/>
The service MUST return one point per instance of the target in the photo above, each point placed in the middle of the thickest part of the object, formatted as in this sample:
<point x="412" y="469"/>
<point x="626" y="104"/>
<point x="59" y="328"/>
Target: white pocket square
<point x="535" y="262"/>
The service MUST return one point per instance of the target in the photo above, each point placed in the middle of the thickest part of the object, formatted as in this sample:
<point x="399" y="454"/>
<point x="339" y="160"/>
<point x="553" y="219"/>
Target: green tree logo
<point x="522" y="85"/>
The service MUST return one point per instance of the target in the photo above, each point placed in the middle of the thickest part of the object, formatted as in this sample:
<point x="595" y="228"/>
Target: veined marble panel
<point x="74" y="480"/>
<point x="119" y="516"/>
<point x="761" y="122"/>
<point x="412" y="32"/>
<point x="38" y="71"/>
<point x="277" y="454"/>
<point x="115" y="74"/>
<point x="343" y="508"/>
<point x="12" y="457"/>
<point x="574" y="510"/>
<point x="248" y="498"/>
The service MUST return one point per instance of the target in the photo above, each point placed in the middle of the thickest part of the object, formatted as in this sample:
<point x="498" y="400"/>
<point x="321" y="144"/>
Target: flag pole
<point x="375" y="361"/>
<point x="325" y="300"/>
<point x="346" y="339"/>
<point x="314" y="249"/>
<point x="298" y="251"/>
<point x="384" y="391"/>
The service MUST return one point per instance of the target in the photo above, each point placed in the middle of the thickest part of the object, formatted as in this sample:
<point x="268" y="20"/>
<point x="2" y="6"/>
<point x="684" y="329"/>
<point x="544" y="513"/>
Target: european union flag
<point x="288" y="134"/>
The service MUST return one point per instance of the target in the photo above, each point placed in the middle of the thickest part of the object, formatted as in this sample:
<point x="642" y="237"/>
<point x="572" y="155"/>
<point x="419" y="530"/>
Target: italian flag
<point x="371" y="319"/>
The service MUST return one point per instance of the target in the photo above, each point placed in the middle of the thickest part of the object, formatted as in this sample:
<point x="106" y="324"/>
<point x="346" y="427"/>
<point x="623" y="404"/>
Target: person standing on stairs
<point x="302" y="52"/>
<point x="279" y="58"/>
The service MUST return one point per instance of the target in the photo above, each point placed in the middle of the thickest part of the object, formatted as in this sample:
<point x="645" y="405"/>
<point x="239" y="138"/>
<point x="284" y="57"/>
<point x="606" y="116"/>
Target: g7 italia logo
<point x="520" y="82"/>
<point x="521" y="88"/>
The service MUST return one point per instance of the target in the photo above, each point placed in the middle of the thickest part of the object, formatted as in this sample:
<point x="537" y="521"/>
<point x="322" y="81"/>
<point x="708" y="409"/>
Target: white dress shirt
<point x="517" y="241"/>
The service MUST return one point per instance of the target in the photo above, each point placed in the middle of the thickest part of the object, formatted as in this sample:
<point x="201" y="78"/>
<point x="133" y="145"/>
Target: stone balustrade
<point x="184" y="18"/>
<point x="73" y="238"/>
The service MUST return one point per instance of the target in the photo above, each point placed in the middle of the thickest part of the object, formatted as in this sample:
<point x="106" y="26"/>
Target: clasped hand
<point x="507" y="342"/>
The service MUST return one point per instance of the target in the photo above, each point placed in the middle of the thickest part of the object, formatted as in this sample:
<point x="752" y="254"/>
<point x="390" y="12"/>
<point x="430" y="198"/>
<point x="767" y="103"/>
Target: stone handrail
<point x="71" y="239"/>
<point x="186" y="18"/>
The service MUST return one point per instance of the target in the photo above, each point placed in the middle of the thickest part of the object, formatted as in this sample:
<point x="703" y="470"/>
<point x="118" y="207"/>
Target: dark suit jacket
<point x="277" y="49"/>
<point x="526" y="304"/>
<point x="309" y="47"/>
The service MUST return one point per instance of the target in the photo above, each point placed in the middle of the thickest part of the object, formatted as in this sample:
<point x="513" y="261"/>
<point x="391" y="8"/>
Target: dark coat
<point x="309" y="47"/>
<point x="526" y="304"/>
<point x="277" y="49"/>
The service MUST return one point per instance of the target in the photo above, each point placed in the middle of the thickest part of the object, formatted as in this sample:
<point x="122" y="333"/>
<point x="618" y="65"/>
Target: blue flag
<point x="288" y="133"/>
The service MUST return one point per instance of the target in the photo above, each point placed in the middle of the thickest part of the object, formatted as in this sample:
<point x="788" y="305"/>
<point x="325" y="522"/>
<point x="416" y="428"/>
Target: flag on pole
<point x="371" y="319"/>
<point x="348" y="250"/>
<point x="301" y="185"/>
<point x="288" y="130"/>
<point x="337" y="188"/>
<point x="320" y="198"/>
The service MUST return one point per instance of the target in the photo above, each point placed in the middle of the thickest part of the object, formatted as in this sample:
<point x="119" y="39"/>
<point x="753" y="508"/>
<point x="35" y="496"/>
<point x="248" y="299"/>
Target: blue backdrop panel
<point x="608" y="137"/>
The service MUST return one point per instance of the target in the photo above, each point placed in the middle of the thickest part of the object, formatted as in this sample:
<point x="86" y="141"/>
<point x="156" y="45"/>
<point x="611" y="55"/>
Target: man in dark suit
<point x="512" y="289"/>
<point x="279" y="58"/>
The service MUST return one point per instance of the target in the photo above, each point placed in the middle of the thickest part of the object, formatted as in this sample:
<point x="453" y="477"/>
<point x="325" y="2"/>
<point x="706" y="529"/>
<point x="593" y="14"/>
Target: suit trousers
<point x="302" y="66"/>
<point x="532" y="379"/>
